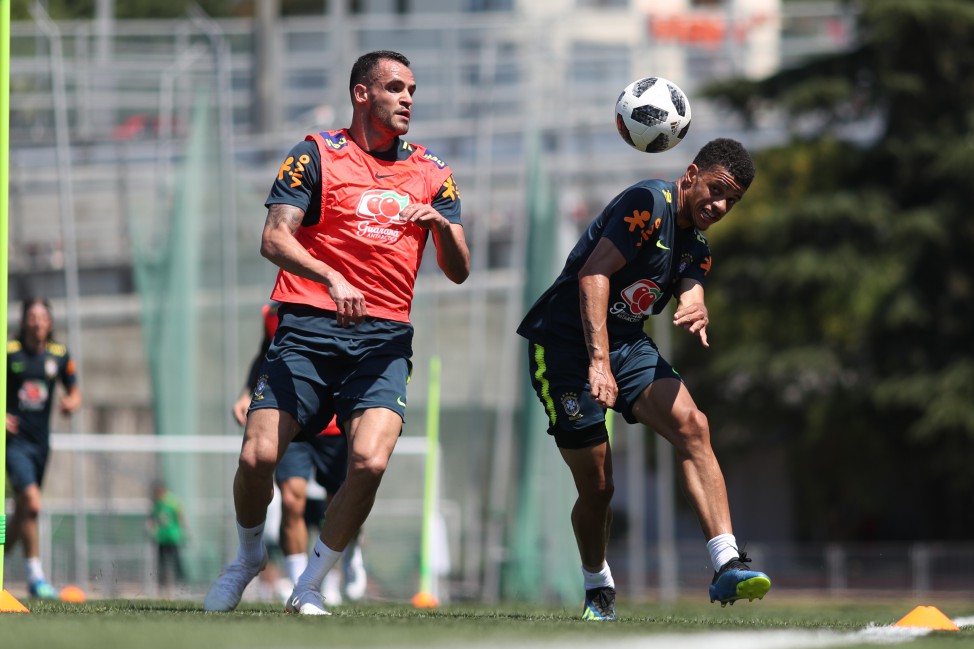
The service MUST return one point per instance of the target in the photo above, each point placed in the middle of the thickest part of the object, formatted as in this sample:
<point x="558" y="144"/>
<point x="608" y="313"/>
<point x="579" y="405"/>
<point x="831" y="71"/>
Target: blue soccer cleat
<point x="735" y="581"/>
<point x="600" y="604"/>
<point x="42" y="590"/>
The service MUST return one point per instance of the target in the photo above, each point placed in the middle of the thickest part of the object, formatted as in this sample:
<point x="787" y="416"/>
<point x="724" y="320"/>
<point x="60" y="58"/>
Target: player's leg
<point x="372" y="435"/>
<point x="27" y="509"/>
<point x="368" y="391"/>
<point x="266" y="437"/>
<point x="330" y="457"/>
<point x="667" y="407"/>
<point x="592" y="513"/>
<point x="577" y="423"/>
<point x="591" y="518"/>
<point x="26" y="464"/>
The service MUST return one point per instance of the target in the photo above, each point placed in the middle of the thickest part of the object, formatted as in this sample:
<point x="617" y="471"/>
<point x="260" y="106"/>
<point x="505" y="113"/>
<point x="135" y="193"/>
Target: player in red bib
<point x="348" y="219"/>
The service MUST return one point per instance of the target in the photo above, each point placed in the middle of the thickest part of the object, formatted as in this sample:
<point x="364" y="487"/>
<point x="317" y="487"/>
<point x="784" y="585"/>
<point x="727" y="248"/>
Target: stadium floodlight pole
<point x="427" y="596"/>
<point x="8" y="604"/>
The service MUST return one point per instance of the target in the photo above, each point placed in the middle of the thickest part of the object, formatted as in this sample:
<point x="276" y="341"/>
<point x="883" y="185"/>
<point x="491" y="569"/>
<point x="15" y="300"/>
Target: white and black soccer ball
<point x="653" y="114"/>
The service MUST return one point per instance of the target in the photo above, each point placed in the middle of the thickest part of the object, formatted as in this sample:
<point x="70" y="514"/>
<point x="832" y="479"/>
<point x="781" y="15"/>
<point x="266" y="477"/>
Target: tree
<point x="844" y="294"/>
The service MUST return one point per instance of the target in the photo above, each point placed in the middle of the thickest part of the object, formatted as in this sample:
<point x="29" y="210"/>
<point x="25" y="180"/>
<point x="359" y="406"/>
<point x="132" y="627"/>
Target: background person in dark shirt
<point x="35" y="363"/>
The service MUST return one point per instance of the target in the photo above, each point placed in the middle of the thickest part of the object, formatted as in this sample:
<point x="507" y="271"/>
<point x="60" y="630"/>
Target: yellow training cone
<point x="9" y="604"/>
<point x="928" y="617"/>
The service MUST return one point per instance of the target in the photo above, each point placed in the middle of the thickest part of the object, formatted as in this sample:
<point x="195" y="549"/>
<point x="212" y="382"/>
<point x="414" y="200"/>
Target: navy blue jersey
<point x="31" y="377"/>
<point x="641" y="222"/>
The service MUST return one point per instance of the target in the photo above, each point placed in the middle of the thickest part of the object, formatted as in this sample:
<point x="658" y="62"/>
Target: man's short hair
<point x="364" y="70"/>
<point x="729" y="154"/>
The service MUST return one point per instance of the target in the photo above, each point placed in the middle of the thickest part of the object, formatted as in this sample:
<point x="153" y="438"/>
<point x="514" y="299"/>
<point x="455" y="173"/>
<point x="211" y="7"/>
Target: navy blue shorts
<point x="559" y="375"/>
<point x="315" y="370"/>
<point x="327" y="454"/>
<point x="26" y="463"/>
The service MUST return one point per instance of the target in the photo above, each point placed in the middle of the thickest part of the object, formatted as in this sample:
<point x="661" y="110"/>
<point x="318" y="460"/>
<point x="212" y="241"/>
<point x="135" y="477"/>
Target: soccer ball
<point x="652" y="114"/>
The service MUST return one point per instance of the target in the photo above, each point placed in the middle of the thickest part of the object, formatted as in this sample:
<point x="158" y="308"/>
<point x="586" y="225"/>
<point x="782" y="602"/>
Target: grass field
<point x="781" y="624"/>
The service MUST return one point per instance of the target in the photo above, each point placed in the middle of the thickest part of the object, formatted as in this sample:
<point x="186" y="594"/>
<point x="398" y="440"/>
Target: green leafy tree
<point x="843" y="302"/>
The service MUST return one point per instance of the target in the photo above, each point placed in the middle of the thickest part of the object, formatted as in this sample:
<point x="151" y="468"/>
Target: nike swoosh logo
<point x="378" y="175"/>
<point x="317" y="554"/>
<point x="400" y="402"/>
<point x="659" y="244"/>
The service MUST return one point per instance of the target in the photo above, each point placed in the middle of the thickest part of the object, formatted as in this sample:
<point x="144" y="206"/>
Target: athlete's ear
<point x="687" y="181"/>
<point x="360" y="93"/>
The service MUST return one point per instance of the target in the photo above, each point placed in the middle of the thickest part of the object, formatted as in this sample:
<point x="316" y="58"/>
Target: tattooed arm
<point x="279" y="245"/>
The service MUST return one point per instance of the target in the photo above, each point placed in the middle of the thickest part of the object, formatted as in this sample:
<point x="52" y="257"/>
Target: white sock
<point x="598" y="579"/>
<point x="251" y="550"/>
<point x="295" y="564"/>
<point x="319" y="563"/>
<point x="722" y="548"/>
<point x="35" y="571"/>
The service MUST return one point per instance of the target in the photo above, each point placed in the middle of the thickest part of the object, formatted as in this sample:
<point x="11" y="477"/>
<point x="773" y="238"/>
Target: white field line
<point x="785" y="639"/>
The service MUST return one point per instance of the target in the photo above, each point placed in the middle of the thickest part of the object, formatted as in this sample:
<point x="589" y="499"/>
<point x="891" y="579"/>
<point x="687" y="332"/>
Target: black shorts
<point x="326" y="454"/>
<point x="559" y="375"/>
<point x="26" y="463"/>
<point x="315" y="370"/>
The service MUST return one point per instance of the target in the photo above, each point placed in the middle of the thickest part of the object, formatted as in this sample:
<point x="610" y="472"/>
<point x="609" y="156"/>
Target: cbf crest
<point x="259" y="389"/>
<point x="571" y="405"/>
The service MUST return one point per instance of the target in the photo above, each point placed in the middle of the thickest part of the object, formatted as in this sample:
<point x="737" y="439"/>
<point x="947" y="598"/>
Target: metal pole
<point x="267" y="71"/>
<point x="477" y="332"/>
<point x="228" y="203"/>
<point x="71" y="280"/>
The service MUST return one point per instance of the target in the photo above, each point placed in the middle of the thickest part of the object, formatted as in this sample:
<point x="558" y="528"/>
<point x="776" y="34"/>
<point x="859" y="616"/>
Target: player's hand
<point x="604" y="389"/>
<point x="240" y="409"/>
<point x="424" y="216"/>
<point x="694" y="319"/>
<point x="70" y="402"/>
<point x="349" y="301"/>
<point x="13" y="424"/>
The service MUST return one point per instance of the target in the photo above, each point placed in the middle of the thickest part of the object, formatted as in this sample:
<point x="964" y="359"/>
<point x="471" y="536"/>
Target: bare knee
<point x="597" y="490"/>
<point x="293" y="499"/>
<point x="693" y="434"/>
<point x="258" y="458"/>
<point x="367" y="468"/>
<point x="28" y="503"/>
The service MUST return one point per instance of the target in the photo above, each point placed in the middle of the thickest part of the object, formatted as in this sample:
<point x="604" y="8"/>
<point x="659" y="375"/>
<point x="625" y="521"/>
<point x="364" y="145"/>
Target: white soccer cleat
<point x="226" y="591"/>
<point x="331" y="588"/>
<point x="306" y="602"/>
<point x="353" y="568"/>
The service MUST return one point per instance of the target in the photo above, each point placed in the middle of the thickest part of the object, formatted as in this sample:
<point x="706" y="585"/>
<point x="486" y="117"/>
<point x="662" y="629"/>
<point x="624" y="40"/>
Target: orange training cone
<point x="928" y="617"/>
<point x="9" y="604"/>
<point x="72" y="594"/>
<point x="425" y="600"/>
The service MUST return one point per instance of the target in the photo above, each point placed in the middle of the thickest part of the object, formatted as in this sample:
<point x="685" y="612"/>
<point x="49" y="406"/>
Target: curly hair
<point x="729" y="154"/>
<point x="364" y="70"/>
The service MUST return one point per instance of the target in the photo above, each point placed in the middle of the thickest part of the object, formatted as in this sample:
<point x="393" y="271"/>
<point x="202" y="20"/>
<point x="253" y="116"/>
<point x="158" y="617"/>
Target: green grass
<point x="147" y="624"/>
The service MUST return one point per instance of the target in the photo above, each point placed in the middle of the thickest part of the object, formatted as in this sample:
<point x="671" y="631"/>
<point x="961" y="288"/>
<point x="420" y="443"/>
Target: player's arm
<point x="242" y="404"/>
<point x="279" y="245"/>
<point x="71" y="400"/>
<point x="593" y="293"/>
<point x="442" y="219"/>
<point x="691" y="311"/>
